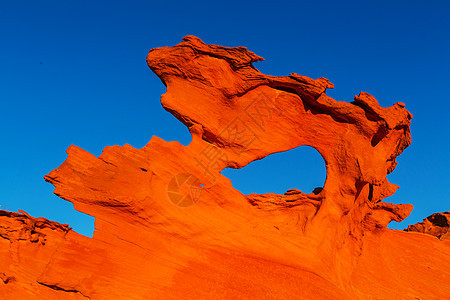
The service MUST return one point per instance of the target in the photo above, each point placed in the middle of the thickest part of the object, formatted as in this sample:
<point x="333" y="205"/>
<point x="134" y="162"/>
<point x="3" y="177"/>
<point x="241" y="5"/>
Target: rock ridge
<point x="169" y="225"/>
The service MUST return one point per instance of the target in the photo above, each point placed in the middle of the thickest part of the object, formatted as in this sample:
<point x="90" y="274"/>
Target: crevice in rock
<point x="57" y="288"/>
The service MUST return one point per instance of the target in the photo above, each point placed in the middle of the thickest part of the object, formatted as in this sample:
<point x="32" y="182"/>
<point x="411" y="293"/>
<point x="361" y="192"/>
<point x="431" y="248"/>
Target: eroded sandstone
<point x="169" y="225"/>
<point x="437" y="225"/>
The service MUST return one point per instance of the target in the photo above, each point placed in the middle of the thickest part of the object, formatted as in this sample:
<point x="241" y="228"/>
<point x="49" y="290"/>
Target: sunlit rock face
<point x="169" y="225"/>
<point x="437" y="225"/>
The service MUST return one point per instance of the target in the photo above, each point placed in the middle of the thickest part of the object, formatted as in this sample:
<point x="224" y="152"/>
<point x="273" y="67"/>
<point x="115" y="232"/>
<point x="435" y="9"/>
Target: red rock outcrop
<point x="169" y="225"/>
<point x="437" y="225"/>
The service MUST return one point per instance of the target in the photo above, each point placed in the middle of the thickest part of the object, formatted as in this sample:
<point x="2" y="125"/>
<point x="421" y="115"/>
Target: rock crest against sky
<point x="168" y="224"/>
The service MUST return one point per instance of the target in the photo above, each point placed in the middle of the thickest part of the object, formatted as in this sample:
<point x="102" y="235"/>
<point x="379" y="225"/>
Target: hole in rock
<point x="301" y="168"/>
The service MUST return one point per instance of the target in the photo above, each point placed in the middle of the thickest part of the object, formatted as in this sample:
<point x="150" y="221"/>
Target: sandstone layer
<point x="169" y="225"/>
<point x="437" y="225"/>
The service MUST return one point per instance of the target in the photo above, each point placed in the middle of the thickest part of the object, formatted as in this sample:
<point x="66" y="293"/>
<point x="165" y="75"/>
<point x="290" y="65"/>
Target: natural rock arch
<point x="329" y="245"/>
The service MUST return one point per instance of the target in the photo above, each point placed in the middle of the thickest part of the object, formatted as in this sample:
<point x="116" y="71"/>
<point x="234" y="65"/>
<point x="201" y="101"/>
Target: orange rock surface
<point x="437" y="225"/>
<point x="170" y="226"/>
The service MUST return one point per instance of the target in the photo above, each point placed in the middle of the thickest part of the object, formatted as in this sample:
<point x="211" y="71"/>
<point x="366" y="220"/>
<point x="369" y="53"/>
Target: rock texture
<point x="437" y="225"/>
<point x="170" y="226"/>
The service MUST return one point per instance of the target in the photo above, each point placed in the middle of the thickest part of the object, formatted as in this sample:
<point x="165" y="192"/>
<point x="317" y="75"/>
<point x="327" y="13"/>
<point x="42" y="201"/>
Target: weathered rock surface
<point x="437" y="225"/>
<point x="170" y="226"/>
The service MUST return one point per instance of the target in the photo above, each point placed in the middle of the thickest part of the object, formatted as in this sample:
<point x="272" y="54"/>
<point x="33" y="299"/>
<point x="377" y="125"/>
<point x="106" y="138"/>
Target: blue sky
<point x="74" y="72"/>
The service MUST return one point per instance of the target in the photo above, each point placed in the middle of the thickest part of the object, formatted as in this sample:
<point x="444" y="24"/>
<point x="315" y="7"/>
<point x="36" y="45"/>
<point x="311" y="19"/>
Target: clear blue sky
<point x="74" y="72"/>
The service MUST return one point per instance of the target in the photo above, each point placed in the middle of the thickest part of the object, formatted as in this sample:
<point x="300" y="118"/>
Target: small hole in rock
<point x="301" y="169"/>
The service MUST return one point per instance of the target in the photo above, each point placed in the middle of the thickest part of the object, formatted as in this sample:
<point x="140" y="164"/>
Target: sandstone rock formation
<point x="437" y="225"/>
<point x="170" y="226"/>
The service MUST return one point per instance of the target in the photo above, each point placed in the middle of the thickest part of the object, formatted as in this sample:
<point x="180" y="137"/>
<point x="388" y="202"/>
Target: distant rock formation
<point x="437" y="225"/>
<point x="169" y="225"/>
